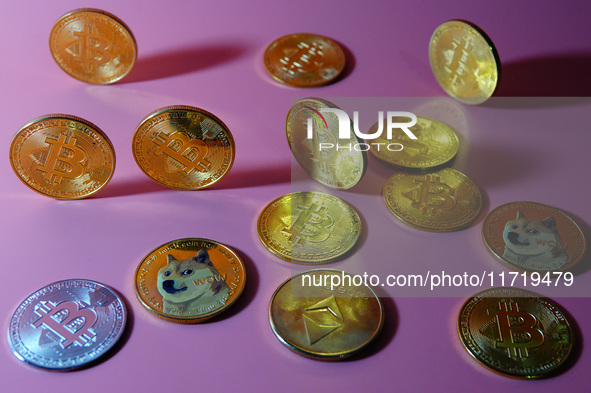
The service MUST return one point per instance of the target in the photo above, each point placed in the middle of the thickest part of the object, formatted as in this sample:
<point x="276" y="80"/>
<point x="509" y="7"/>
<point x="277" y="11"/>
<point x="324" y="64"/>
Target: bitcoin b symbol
<point x="311" y="225"/>
<point x="432" y="196"/>
<point x="189" y="153"/>
<point x="64" y="319"/>
<point x="64" y="160"/>
<point x="518" y="330"/>
<point x="90" y="49"/>
<point x="306" y="58"/>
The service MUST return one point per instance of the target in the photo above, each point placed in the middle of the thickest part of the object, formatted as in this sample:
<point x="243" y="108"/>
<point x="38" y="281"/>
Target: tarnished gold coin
<point x="304" y="60"/>
<point x="189" y="280"/>
<point x="437" y="144"/>
<point x="530" y="236"/>
<point x="322" y="323"/>
<point x="93" y="46"/>
<point x="515" y="332"/>
<point x="442" y="201"/>
<point x="309" y="227"/>
<point x="62" y="156"/>
<point x="313" y="134"/>
<point x="183" y="147"/>
<point x="464" y="62"/>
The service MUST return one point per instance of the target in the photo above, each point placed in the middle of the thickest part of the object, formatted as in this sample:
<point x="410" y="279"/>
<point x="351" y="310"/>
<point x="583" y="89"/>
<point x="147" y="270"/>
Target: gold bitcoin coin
<point x="309" y="227"/>
<point x="304" y="60"/>
<point x="62" y="156"/>
<point x="316" y="321"/>
<point x="437" y="144"/>
<point x="314" y="136"/>
<point x="464" y="62"/>
<point x="529" y="236"/>
<point x="93" y="46"/>
<point x="183" y="147"/>
<point x="441" y="201"/>
<point x="515" y="332"/>
<point x="189" y="280"/>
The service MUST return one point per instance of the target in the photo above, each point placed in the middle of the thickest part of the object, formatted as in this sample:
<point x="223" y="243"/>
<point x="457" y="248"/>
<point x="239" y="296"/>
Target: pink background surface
<point x="209" y="54"/>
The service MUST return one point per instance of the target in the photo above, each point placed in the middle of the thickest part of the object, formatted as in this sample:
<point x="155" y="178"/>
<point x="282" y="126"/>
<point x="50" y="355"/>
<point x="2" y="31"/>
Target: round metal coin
<point x="183" y="147"/>
<point x="442" y="201"/>
<point x="189" y="280"/>
<point x="317" y="322"/>
<point x="93" y="46"/>
<point x="464" y="62"/>
<point x="304" y="60"/>
<point x="515" y="332"/>
<point x="309" y="227"/>
<point x="313" y="136"/>
<point x="62" y="156"/>
<point x="530" y="236"/>
<point x="67" y="324"/>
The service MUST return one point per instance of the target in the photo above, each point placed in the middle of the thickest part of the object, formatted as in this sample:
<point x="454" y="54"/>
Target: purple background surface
<point x="209" y="54"/>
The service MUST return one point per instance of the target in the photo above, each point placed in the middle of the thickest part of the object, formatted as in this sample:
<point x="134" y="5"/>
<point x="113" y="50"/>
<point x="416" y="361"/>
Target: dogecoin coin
<point x="437" y="144"/>
<point x="309" y="227"/>
<point x="67" y="324"/>
<point x="317" y="322"/>
<point x="304" y="60"/>
<point x="189" y="280"/>
<point x="515" y="332"/>
<point x="529" y="236"/>
<point x="93" y="46"/>
<point x="441" y="201"/>
<point x="183" y="147"/>
<point x="62" y="156"/>
<point x="464" y="62"/>
<point x="313" y="136"/>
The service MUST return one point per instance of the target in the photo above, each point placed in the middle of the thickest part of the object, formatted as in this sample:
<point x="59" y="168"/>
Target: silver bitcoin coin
<point x="67" y="324"/>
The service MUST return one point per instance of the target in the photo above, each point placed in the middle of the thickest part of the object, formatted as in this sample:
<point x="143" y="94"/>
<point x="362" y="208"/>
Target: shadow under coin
<point x="350" y="62"/>
<point x="126" y="187"/>
<point x="254" y="177"/>
<point x="184" y="61"/>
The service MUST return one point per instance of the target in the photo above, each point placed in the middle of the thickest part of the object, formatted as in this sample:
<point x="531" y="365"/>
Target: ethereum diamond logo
<point x="321" y="319"/>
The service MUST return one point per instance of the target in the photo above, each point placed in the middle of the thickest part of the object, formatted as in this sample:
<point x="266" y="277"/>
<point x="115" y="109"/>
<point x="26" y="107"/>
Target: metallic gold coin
<point x="189" y="280"/>
<point x="515" y="332"/>
<point x="304" y="60"/>
<point x="313" y="135"/>
<point x="441" y="201"/>
<point x="322" y="323"/>
<point x="437" y="144"/>
<point x="62" y="156"/>
<point x="530" y="236"/>
<point x="309" y="227"/>
<point x="464" y="62"/>
<point x="93" y="46"/>
<point x="183" y="147"/>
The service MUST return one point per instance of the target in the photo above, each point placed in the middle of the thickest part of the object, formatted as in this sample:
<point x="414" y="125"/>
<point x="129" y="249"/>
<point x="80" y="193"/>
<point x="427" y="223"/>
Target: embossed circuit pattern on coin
<point x="530" y="236"/>
<point x="62" y="156"/>
<point x="93" y="46"/>
<point x="515" y="332"/>
<point x="313" y="137"/>
<point x="436" y="145"/>
<point x="304" y="60"/>
<point x="315" y="321"/>
<point x="309" y="227"/>
<point x="464" y="62"/>
<point x="67" y="324"/>
<point x="183" y="147"/>
<point x="441" y="201"/>
<point x="189" y="280"/>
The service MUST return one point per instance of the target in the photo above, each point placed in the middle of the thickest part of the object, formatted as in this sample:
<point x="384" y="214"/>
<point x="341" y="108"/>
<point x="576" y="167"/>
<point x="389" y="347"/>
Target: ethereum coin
<point x="189" y="280"/>
<point x="464" y="62"/>
<point x="62" y="156"/>
<point x="93" y="46"/>
<point x="515" y="332"/>
<point x="183" y="147"/>
<point x="309" y="227"/>
<point x="313" y="136"/>
<point x="530" y="236"/>
<point x="67" y="324"/>
<point x="322" y="323"/>
<point x="304" y="60"/>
